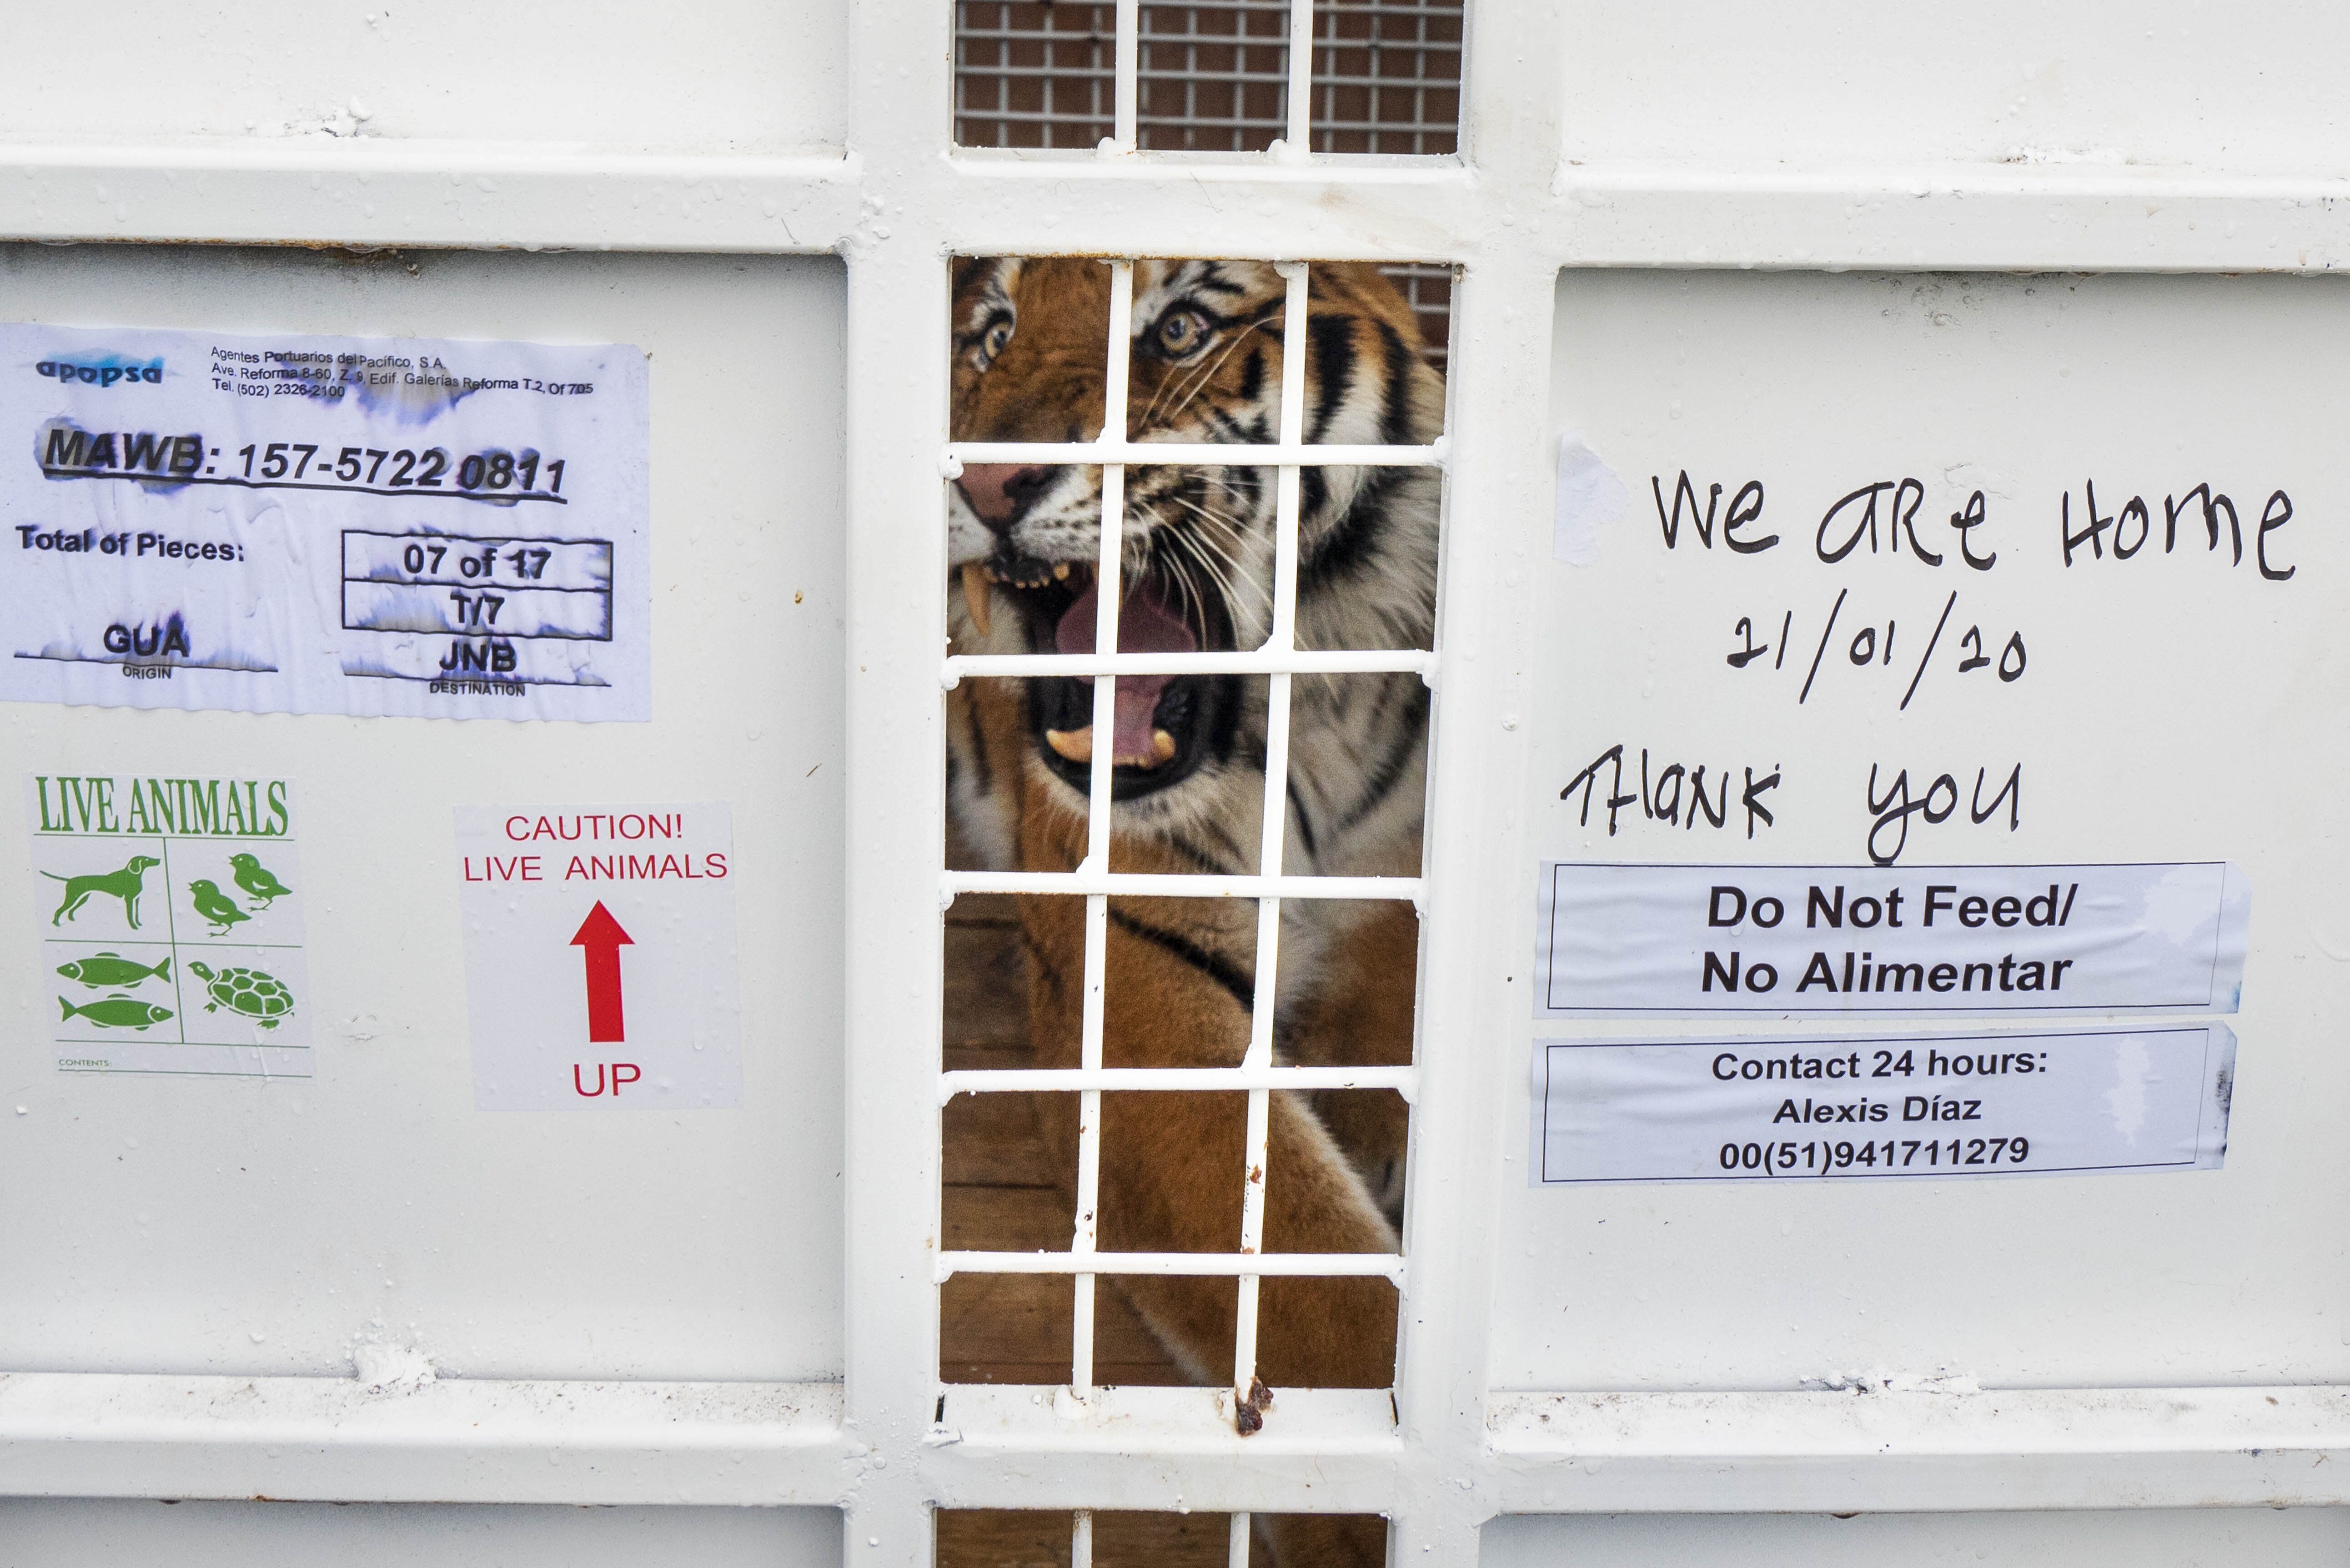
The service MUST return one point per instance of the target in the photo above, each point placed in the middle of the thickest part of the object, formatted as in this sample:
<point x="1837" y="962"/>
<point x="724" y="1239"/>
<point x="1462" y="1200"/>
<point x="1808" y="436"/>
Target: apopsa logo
<point x="105" y="371"/>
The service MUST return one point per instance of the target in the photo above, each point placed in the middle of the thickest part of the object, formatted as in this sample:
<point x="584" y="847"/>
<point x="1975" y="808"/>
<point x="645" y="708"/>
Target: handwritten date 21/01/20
<point x="1871" y="645"/>
<point x="296" y="463"/>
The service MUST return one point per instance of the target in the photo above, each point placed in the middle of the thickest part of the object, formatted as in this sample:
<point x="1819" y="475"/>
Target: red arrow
<point x="602" y="936"/>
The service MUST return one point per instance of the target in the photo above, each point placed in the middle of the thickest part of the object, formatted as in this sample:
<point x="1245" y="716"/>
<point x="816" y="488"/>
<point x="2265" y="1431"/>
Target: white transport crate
<point x="1879" y="459"/>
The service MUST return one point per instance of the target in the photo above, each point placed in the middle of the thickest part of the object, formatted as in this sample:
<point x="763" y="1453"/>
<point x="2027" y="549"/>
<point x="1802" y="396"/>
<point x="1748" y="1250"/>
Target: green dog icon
<point x="123" y="884"/>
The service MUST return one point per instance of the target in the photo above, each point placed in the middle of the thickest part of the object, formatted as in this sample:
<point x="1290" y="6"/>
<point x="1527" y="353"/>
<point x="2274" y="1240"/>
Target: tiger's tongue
<point x="1143" y="627"/>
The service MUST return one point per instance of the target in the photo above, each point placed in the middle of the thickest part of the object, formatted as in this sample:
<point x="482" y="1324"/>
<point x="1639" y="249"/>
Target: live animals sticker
<point x="169" y="911"/>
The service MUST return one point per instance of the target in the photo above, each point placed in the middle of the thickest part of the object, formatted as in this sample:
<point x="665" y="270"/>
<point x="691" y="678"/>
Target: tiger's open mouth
<point x="1166" y="726"/>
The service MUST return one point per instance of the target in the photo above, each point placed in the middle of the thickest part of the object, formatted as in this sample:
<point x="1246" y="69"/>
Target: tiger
<point x="1030" y="345"/>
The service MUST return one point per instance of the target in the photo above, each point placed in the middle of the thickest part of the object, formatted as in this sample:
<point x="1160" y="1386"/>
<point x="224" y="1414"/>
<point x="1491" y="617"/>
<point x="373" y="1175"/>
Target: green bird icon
<point x="260" y="883"/>
<point x="215" y="906"/>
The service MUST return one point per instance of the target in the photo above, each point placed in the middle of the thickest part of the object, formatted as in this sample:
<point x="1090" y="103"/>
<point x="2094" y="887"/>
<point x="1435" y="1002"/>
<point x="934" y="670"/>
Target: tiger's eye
<point x="1178" y="331"/>
<point x="998" y="337"/>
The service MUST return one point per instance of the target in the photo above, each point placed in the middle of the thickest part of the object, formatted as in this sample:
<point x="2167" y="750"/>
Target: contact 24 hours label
<point x="1952" y="1105"/>
<point x="324" y="524"/>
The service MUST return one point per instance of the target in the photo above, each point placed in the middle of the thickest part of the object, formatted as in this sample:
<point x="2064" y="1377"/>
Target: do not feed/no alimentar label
<point x="1955" y="940"/>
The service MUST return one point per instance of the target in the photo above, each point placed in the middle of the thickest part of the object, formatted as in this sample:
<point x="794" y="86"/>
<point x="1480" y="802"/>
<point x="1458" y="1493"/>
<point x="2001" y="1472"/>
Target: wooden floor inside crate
<point x="998" y="1538"/>
<point x="1015" y="1328"/>
<point x="1012" y="1328"/>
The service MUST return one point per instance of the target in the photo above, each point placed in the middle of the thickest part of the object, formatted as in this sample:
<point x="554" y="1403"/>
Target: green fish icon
<point x="215" y="906"/>
<point x="113" y="968"/>
<point x="258" y="881"/>
<point x="117" y="1012"/>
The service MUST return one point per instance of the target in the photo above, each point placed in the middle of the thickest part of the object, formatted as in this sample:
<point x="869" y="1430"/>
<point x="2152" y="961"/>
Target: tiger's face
<point x="1031" y="346"/>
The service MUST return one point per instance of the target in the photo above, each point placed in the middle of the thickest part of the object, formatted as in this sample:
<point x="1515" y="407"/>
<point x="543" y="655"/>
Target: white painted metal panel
<point x="2153" y="1537"/>
<point x="2175" y="85"/>
<point x="82" y="1534"/>
<point x="266" y="1228"/>
<point x="2174" y="706"/>
<point x="733" y="78"/>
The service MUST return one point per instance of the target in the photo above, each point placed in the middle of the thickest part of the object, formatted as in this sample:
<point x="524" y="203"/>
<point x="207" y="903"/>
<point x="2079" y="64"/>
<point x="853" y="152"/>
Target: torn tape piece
<point x="1589" y="494"/>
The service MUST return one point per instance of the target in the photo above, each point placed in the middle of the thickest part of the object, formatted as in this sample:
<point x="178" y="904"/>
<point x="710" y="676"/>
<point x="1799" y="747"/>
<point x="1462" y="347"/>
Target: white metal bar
<point x="1109" y="567"/>
<point x="1884" y="1452"/>
<point x="1274" y="815"/>
<point x="1097" y="827"/>
<point x="1024" y="1446"/>
<point x="1502" y="345"/>
<point x="1173" y="884"/>
<point x="1197" y="453"/>
<point x="1612" y="1453"/>
<point x="1081" y="1538"/>
<point x="1301" y="661"/>
<point x="1299" y="133"/>
<point x="1252" y="1243"/>
<point x="378" y="192"/>
<point x="1236" y="1553"/>
<point x="1088" y="1194"/>
<point x="1216" y="1265"/>
<point x="484" y="1440"/>
<point x="1128" y="100"/>
<point x="1405" y="1081"/>
<point x="456" y="1440"/>
<point x="897" y="404"/>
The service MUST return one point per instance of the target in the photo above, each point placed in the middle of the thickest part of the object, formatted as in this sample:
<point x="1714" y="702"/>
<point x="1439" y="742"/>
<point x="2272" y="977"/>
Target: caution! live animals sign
<point x="599" y="956"/>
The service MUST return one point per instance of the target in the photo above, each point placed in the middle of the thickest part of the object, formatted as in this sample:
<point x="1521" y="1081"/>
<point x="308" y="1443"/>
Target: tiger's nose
<point x="1000" y="492"/>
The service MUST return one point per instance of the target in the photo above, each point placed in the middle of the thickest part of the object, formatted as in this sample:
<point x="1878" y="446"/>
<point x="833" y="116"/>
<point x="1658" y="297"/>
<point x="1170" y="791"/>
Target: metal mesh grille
<point x="1213" y="75"/>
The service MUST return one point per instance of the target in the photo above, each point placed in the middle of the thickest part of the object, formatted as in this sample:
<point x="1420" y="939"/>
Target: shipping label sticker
<point x="1614" y="939"/>
<point x="1842" y="1109"/>
<point x="599" y="957"/>
<point x="170" y="912"/>
<point x="312" y="524"/>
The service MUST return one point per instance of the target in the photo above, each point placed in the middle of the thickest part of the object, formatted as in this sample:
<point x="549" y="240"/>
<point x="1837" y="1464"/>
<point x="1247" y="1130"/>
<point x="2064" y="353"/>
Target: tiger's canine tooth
<point x="1162" y="747"/>
<point x="1076" y="745"/>
<point x="974" y="594"/>
<point x="1060" y="571"/>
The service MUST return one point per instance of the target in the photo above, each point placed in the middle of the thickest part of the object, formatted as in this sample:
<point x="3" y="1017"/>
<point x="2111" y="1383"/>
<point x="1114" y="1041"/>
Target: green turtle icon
<point x="259" y="882"/>
<point x="260" y="997"/>
<point x="215" y="906"/>
<point x="117" y="1012"/>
